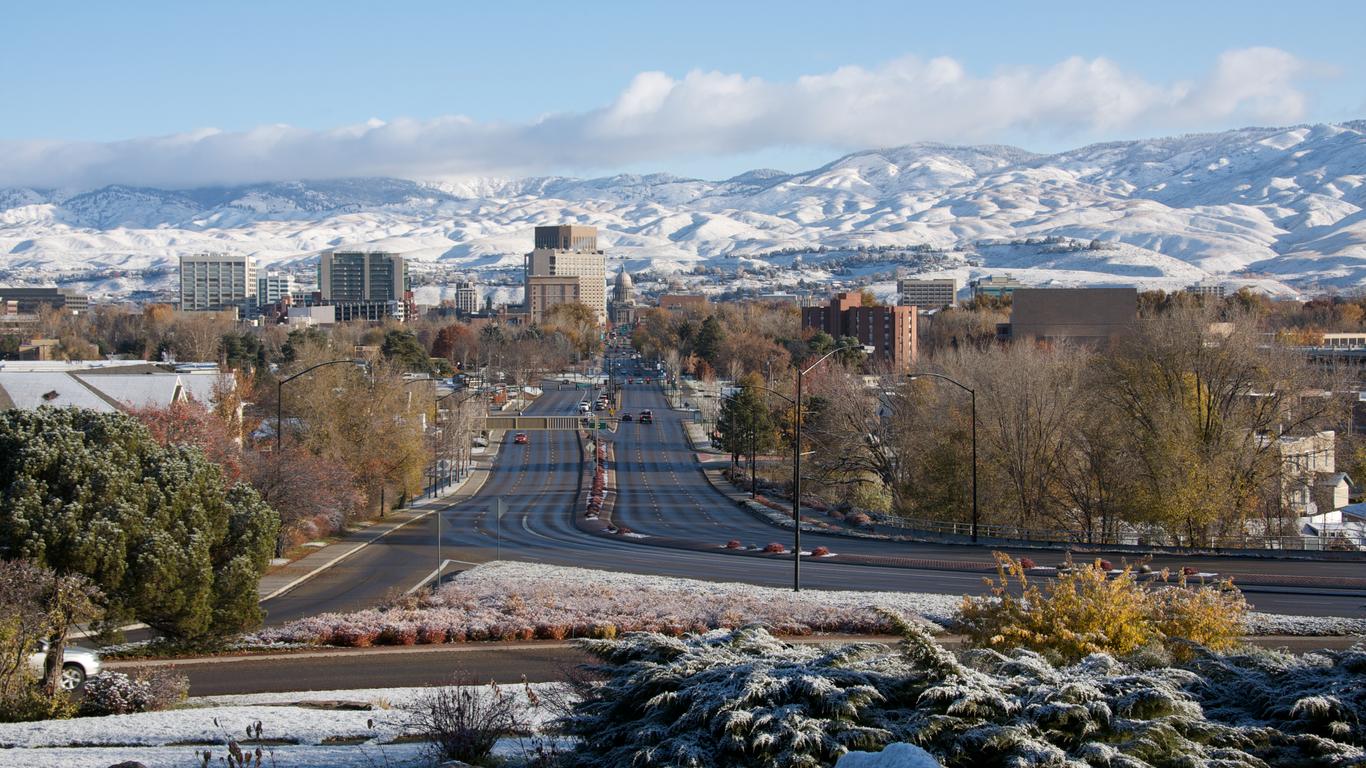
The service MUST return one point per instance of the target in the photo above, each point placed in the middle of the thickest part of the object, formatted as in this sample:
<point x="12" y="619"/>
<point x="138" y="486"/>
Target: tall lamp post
<point x="972" y="393"/>
<point x="797" y="463"/>
<point x="280" y="425"/>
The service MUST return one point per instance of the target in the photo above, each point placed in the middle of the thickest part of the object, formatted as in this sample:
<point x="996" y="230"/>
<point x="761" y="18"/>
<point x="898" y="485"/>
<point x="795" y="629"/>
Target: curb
<point x="447" y="505"/>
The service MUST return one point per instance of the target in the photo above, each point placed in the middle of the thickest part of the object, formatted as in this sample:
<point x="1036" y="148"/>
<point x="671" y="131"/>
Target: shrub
<point x="465" y="721"/>
<point x="1105" y="565"/>
<point x="29" y="702"/>
<point x="1084" y="612"/>
<point x="150" y="689"/>
<point x="857" y="518"/>
<point x="740" y="698"/>
<point x="1027" y="563"/>
<point x="775" y="548"/>
<point x="733" y="544"/>
<point x="398" y="634"/>
<point x="820" y="551"/>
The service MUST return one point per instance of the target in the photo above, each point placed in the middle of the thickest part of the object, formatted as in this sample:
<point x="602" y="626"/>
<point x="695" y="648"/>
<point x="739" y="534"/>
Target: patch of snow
<point x="896" y="755"/>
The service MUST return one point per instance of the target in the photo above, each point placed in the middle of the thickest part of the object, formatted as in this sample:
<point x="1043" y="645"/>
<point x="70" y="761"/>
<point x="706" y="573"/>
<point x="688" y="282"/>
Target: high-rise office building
<point x="566" y="252"/>
<point x="362" y="276"/>
<point x="927" y="294"/>
<point x="365" y="285"/>
<point x="273" y="287"/>
<point x="466" y="298"/>
<point x="211" y="282"/>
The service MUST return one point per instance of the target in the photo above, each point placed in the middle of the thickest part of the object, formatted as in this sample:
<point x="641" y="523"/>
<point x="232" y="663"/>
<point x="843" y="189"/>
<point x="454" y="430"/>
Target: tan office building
<point x="570" y="253"/>
<point x="544" y="292"/>
<point x="211" y="282"/>
<point x="927" y="294"/>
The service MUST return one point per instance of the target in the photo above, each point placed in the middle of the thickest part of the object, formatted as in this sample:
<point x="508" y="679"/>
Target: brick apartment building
<point x="891" y="331"/>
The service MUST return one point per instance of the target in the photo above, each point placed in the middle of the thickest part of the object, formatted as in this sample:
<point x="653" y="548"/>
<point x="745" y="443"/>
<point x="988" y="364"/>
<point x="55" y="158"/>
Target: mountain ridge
<point x="1281" y="208"/>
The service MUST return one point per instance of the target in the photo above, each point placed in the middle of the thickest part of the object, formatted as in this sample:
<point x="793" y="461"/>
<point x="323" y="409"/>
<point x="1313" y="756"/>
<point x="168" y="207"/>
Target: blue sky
<point x="90" y="86"/>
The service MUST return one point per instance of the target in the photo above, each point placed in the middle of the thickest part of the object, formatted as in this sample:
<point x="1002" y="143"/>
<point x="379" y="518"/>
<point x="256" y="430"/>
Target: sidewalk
<point x="279" y="580"/>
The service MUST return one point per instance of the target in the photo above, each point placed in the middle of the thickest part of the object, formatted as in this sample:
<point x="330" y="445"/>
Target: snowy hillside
<point x="1280" y="208"/>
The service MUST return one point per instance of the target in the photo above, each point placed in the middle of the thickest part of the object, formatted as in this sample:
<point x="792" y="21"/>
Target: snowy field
<point x="524" y="601"/>
<point x="172" y="738"/>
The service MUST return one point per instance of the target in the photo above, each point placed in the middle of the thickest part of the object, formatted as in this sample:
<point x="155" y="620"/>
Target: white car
<point x="78" y="665"/>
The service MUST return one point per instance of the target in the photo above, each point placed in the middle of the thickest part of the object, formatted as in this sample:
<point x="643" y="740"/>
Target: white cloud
<point x="657" y="117"/>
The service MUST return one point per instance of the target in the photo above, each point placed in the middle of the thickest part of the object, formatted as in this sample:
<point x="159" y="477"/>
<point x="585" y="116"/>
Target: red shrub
<point x="733" y="544"/>
<point x="1190" y="570"/>
<point x="622" y="530"/>
<point x="400" y="634"/>
<point x="1027" y="563"/>
<point x="1106" y="565"/>
<point x="354" y="637"/>
<point x="552" y="631"/>
<point x="820" y="551"/>
<point x="431" y="634"/>
<point x="775" y="548"/>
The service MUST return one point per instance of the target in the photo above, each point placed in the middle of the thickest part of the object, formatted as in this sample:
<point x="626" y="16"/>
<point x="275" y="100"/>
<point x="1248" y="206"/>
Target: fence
<point x="1349" y="540"/>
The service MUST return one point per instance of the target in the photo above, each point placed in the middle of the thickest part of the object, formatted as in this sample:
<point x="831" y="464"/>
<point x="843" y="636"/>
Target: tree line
<point x="1180" y="431"/>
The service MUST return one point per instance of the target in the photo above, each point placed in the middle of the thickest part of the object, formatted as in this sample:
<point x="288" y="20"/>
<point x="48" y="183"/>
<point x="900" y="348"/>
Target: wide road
<point x="663" y="495"/>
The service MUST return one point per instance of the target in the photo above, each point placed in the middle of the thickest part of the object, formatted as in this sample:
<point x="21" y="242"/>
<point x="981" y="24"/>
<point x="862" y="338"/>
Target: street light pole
<point x="753" y="434"/>
<point x="972" y="396"/>
<point x="797" y="466"/>
<point x="280" y="427"/>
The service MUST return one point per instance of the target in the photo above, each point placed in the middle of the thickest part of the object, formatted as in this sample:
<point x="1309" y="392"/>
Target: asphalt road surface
<point x="663" y="495"/>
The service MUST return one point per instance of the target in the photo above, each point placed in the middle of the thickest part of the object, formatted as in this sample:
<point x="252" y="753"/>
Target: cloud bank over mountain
<point x="657" y="117"/>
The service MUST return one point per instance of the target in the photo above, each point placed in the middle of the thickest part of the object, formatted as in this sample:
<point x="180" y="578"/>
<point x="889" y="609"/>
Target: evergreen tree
<point x="155" y="527"/>
<point x="402" y="349"/>
<point x="708" y="342"/>
<point x="745" y="423"/>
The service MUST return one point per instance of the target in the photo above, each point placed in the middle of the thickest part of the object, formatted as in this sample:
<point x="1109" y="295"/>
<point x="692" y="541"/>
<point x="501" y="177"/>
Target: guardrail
<point x="1332" y="540"/>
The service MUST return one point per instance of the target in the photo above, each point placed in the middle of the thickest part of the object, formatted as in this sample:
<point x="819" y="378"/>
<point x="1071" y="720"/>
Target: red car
<point x="520" y="438"/>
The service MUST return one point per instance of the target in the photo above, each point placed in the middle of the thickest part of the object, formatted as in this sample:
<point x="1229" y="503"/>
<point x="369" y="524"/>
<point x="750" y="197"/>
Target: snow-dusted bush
<point x="742" y="698"/>
<point x="147" y="690"/>
<point x="464" y="721"/>
<point x="727" y="698"/>
<point x="1085" y="611"/>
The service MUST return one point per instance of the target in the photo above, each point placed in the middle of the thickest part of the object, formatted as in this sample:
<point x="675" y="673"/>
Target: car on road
<point x="78" y="665"/>
<point x="625" y="417"/>
<point x="520" y="439"/>
<point x="583" y="407"/>
<point x="647" y="417"/>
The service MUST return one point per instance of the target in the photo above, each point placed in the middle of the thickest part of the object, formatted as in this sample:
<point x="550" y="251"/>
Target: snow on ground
<point x="171" y="738"/>
<point x="898" y="755"/>
<point x="522" y="601"/>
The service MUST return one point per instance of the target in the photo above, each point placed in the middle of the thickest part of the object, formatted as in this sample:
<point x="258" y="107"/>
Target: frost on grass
<point x="523" y="601"/>
<point x="743" y="698"/>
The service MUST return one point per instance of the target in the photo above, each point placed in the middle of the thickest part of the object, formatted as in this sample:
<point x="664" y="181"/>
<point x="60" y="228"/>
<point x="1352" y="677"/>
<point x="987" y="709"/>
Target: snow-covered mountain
<point x="1277" y="207"/>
